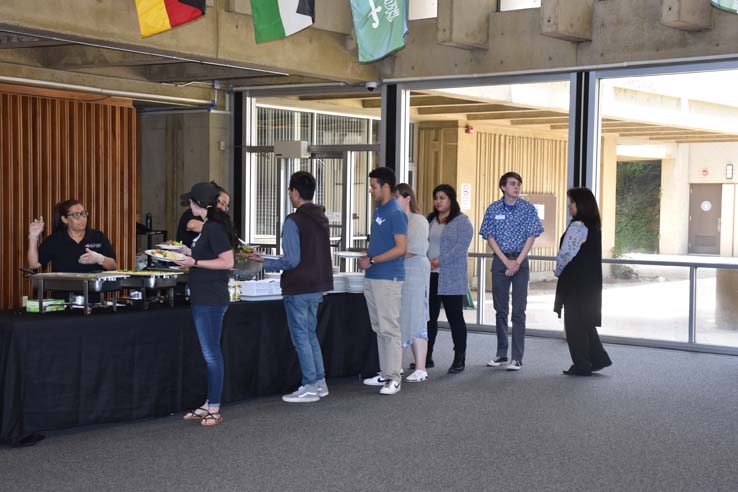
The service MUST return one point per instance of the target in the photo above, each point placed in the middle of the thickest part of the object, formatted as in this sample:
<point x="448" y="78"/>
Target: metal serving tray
<point x="78" y="282"/>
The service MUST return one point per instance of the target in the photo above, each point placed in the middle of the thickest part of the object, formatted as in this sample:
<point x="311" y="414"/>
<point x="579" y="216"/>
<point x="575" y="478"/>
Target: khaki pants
<point x="383" y="299"/>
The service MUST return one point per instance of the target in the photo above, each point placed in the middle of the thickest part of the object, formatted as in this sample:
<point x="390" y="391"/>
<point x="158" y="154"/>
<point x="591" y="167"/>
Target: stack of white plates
<point x="355" y="282"/>
<point x="255" y="290"/>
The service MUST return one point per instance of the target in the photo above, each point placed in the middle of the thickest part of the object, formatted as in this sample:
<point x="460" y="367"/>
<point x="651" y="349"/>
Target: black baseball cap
<point x="203" y="194"/>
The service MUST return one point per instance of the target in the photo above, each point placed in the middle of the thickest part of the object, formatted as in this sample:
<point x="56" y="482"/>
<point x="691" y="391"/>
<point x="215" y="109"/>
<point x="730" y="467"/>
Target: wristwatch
<point x="371" y="260"/>
<point x="196" y="261"/>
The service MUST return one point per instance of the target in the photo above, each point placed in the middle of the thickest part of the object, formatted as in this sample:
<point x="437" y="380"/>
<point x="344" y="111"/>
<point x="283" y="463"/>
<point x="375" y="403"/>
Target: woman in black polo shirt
<point x="210" y="260"/>
<point x="72" y="246"/>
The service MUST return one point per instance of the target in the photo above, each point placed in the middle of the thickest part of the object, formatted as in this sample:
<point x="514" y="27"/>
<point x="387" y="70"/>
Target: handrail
<point x="626" y="261"/>
<point x="481" y="260"/>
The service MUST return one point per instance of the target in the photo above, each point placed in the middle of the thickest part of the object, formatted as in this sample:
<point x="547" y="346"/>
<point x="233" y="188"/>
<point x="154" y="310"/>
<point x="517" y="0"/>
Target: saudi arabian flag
<point x="277" y="19"/>
<point x="727" y="5"/>
<point x="381" y="27"/>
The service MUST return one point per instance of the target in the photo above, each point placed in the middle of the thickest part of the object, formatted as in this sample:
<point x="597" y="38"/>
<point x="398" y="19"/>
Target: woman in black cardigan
<point x="579" y="290"/>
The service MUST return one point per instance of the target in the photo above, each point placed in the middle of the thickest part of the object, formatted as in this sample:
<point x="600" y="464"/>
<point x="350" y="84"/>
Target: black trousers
<point x="584" y="343"/>
<point x="454" y="308"/>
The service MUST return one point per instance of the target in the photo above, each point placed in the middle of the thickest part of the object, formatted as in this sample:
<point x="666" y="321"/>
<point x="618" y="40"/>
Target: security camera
<point x="371" y="86"/>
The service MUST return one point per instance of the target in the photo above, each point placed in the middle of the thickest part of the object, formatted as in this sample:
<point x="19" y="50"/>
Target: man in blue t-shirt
<point x="510" y="227"/>
<point x="385" y="273"/>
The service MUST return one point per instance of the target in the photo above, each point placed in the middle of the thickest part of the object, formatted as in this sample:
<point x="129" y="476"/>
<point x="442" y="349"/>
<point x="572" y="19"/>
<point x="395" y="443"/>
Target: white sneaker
<point x="322" y="388"/>
<point x="304" y="394"/>
<point x="390" y="388"/>
<point x="497" y="362"/>
<point x="417" y="376"/>
<point x="515" y="365"/>
<point x="377" y="380"/>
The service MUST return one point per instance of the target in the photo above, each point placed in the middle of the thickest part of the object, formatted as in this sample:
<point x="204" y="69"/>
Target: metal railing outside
<point x="693" y="266"/>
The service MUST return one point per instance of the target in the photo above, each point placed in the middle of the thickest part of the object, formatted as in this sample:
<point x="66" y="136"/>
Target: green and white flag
<point x="381" y="27"/>
<point x="727" y="5"/>
<point x="277" y="19"/>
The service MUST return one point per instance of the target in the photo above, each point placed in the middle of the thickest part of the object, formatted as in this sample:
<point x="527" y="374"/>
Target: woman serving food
<point x="72" y="246"/>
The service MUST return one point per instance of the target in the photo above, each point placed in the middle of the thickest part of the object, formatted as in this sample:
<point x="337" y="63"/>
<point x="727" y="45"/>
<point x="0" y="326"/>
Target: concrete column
<point x="727" y="220"/>
<point x="674" y="217"/>
<point x="608" y="194"/>
<point x="178" y="150"/>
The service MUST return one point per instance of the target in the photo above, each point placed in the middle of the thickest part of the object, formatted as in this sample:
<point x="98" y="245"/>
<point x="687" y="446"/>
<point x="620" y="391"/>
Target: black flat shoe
<point x="459" y="363"/>
<point x="599" y="368"/>
<point x="573" y="371"/>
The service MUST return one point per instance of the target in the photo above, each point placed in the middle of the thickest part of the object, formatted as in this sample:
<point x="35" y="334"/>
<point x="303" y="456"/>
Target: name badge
<point x="500" y="217"/>
<point x="380" y="220"/>
<point x="93" y="245"/>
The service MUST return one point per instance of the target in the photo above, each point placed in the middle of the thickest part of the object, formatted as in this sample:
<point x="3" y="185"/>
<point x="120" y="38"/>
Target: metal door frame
<point x="343" y="152"/>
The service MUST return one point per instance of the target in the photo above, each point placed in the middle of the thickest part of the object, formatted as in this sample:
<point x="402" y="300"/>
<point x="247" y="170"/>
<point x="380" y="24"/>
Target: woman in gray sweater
<point x="451" y="234"/>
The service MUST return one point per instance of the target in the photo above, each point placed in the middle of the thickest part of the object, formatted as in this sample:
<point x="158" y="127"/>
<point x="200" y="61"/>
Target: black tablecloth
<point x="61" y="370"/>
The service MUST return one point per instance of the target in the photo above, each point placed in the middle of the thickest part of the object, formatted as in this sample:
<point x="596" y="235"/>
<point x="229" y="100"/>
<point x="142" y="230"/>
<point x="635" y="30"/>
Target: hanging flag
<point x="277" y="19"/>
<point x="381" y="27"/>
<point x="155" y="16"/>
<point x="727" y="5"/>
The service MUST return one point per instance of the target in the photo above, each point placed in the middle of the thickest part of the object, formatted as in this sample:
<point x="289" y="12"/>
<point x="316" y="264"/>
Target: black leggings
<point x="454" y="308"/>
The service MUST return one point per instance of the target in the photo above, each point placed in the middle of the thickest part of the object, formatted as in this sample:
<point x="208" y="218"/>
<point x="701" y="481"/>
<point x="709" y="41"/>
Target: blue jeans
<point x="209" y="326"/>
<point x="302" y="317"/>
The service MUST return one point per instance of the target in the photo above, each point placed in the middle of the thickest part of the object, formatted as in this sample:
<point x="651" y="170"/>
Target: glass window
<point x="519" y="4"/>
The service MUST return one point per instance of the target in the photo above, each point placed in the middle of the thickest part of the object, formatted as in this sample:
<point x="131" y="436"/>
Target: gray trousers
<point x="501" y="296"/>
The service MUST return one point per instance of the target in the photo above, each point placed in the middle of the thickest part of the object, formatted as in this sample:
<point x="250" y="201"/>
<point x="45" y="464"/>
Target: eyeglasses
<point x="78" y="215"/>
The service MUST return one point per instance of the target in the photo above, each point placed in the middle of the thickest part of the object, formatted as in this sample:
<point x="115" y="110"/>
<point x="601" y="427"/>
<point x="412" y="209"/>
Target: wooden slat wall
<point x="54" y="146"/>
<point x="542" y="163"/>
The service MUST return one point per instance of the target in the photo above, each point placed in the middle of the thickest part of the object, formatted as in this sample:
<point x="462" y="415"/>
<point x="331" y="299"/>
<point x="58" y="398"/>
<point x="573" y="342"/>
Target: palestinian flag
<point x="155" y="16"/>
<point x="277" y="19"/>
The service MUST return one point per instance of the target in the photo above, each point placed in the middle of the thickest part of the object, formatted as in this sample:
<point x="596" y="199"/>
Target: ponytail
<point x="217" y="215"/>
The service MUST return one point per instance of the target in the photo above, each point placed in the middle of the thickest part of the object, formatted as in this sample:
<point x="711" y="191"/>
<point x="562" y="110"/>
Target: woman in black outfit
<point x="210" y="261"/>
<point x="579" y="290"/>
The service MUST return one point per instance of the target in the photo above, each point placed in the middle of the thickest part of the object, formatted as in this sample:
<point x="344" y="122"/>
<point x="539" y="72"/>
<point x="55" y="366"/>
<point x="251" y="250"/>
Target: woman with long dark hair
<point x="210" y="260"/>
<point x="414" y="308"/>
<point x="72" y="246"/>
<point x="579" y="289"/>
<point x="449" y="238"/>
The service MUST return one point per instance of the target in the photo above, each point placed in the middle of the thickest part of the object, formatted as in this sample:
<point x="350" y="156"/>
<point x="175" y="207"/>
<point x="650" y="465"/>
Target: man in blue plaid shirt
<point x="510" y="227"/>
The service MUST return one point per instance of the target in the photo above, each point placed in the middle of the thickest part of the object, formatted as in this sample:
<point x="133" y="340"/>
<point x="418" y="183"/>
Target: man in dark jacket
<point x="307" y="272"/>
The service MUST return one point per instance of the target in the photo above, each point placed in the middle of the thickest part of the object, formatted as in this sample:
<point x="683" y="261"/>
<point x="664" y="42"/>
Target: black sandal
<point x="193" y="415"/>
<point x="211" y="417"/>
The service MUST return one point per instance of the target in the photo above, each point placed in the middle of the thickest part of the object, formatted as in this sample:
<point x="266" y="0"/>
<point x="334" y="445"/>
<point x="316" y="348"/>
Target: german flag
<point x="155" y="16"/>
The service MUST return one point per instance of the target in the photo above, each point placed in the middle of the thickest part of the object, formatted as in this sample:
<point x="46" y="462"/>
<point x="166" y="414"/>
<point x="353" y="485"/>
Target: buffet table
<point x="62" y="370"/>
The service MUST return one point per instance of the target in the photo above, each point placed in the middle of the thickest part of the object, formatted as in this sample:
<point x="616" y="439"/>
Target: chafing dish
<point x="78" y="282"/>
<point x="144" y="280"/>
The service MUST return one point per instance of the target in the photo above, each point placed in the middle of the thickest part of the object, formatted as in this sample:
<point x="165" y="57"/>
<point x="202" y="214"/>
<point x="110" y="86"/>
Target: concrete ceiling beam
<point x="220" y="37"/>
<point x="705" y="140"/>
<point x="539" y="121"/>
<point x="185" y="72"/>
<point x="47" y="77"/>
<point x="687" y="15"/>
<point x="76" y="57"/>
<point x="464" y="23"/>
<point x="15" y="41"/>
<point x="461" y="105"/>
<point x="478" y="108"/>
<point x="520" y="115"/>
<point x="723" y="138"/>
<point x="567" y="19"/>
